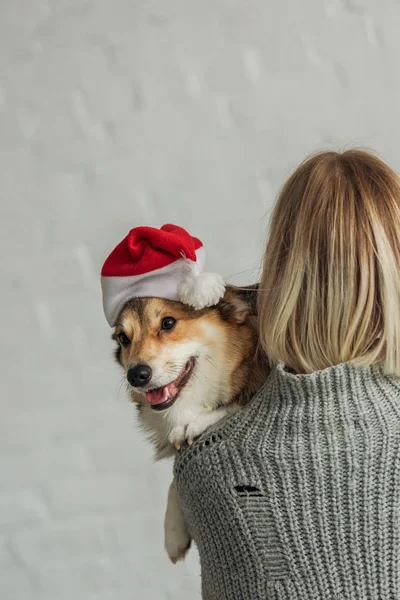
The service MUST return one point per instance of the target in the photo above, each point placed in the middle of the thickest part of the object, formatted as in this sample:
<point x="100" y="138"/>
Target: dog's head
<point x="175" y="356"/>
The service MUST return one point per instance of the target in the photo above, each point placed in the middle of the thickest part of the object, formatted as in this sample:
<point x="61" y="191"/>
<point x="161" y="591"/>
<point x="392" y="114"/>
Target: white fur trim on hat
<point x="160" y="283"/>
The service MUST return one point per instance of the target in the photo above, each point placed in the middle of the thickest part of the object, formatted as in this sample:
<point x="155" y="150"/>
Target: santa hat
<point x="164" y="263"/>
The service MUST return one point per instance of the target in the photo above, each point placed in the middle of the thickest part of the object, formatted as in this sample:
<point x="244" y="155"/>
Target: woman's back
<point x="298" y="497"/>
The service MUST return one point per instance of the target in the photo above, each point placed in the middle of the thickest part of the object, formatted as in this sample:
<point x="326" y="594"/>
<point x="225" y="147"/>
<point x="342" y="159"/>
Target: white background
<point x="117" y="113"/>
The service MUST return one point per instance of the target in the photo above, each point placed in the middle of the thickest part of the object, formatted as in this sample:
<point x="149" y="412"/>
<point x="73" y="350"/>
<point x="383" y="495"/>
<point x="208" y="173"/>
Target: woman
<point x="298" y="496"/>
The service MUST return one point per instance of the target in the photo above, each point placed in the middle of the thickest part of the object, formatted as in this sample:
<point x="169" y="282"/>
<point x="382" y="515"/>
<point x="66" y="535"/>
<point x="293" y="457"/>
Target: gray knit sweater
<point x="297" y="497"/>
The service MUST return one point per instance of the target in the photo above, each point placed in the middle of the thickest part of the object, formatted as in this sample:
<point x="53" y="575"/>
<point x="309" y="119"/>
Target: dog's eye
<point x="123" y="339"/>
<point x="168" y="323"/>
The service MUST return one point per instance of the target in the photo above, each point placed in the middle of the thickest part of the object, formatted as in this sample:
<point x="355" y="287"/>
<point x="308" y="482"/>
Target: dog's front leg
<point x="201" y="422"/>
<point x="176" y="536"/>
<point x="204" y="420"/>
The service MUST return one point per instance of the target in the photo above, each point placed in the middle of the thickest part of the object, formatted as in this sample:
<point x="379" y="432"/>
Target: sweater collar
<point x="330" y="381"/>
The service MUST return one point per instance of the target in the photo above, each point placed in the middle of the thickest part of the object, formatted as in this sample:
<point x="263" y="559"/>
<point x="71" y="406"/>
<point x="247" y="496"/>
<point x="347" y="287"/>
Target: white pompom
<point x="199" y="291"/>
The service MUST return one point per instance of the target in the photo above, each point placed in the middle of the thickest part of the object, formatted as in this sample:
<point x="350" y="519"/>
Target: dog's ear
<point x="235" y="306"/>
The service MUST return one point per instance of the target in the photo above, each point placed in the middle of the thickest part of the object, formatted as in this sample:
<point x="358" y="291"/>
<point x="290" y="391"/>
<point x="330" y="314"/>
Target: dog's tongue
<point x="161" y="394"/>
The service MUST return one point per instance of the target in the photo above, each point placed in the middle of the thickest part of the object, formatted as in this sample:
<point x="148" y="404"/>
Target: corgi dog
<point x="186" y="369"/>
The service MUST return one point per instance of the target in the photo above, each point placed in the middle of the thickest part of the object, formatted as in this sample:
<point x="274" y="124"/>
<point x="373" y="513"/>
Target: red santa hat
<point x="164" y="263"/>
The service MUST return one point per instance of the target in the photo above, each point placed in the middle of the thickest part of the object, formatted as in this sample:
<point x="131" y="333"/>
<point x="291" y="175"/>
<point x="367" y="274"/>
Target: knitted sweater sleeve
<point x="298" y="496"/>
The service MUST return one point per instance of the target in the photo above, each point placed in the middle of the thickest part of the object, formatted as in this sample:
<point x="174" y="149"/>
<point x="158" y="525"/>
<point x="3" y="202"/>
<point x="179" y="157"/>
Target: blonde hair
<point x="330" y="287"/>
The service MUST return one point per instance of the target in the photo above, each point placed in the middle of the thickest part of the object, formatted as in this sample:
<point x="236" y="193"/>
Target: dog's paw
<point x="197" y="427"/>
<point x="177" y="436"/>
<point x="204" y="420"/>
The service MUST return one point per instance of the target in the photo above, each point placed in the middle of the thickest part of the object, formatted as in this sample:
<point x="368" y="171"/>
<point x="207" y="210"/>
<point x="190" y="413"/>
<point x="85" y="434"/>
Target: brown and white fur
<point x="212" y="355"/>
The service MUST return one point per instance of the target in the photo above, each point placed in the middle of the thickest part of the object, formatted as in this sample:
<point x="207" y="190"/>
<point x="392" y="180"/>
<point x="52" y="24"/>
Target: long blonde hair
<point x="330" y="287"/>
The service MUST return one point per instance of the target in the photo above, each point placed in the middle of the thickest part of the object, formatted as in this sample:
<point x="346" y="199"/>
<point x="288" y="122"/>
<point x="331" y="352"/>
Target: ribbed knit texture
<point x="297" y="497"/>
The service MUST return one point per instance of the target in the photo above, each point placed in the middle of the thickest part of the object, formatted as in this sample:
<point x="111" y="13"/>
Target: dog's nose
<point x="139" y="375"/>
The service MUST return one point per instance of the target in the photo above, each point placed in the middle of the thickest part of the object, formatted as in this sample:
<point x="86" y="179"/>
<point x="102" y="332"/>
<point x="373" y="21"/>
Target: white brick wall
<point x="114" y="114"/>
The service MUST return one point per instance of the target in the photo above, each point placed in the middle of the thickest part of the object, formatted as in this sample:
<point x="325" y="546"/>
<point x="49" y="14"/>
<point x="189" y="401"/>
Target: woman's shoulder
<point x="231" y="431"/>
<point x="293" y="411"/>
